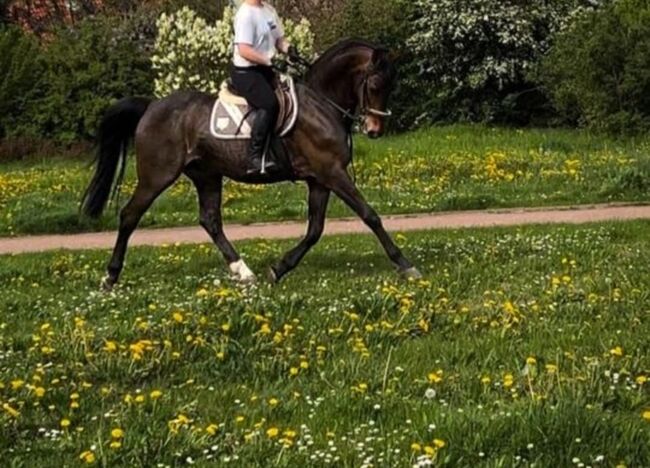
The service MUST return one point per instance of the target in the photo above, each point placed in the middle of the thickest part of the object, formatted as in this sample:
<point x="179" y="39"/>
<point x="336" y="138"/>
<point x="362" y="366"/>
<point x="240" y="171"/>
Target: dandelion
<point x="486" y="380"/>
<point x="115" y="445"/>
<point x="273" y="402"/>
<point x="435" y="377"/>
<point x="11" y="411"/>
<point x="17" y="384"/>
<point x="531" y="361"/>
<point x="87" y="456"/>
<point x="508" y="380"/>
<point x="65" y="423"/>
<point x="641" y="379"/>
<point x="212" y="429"/>
<point x="439" y="443"/>
<point x="293" y="371"/>
<point x="117" y="433"/>
<point x="39" y="392"/>
<point x="646" y="415"/>
<point x="178" y="317"/>
<point x="551" y="368"/>
<point x="272" y="432"/>
<point x="617" y="351"/>
<point x="155" y="394"/>
<point x="415" y="447"/>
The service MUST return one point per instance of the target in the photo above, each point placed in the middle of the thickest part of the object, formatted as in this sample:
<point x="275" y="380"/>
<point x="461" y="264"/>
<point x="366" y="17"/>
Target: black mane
<point x="343" y="45"/>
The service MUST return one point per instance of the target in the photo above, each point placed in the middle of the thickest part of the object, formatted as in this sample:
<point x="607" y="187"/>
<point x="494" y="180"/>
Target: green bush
<point x="79" y="73"/>
<point x="598" y="72"/>
<point x="476" y="60"/>
<point x="21" y="68"/>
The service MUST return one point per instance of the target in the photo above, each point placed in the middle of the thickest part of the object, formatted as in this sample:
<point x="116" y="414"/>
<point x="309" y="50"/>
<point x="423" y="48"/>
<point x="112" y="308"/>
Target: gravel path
<point x="451" y="220"/>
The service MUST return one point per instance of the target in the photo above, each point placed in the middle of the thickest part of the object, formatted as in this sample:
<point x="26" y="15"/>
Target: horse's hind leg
<point x="209" y="189"/>
<point x="318" y="200"/>
<point x="130" y="216"/>
<point x="345" y="189"/>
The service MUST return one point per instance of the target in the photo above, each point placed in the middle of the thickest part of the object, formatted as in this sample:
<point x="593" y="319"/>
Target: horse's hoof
<point x="272" y="276"/>
<point x="106" y="284"/>
<point x="412" y="273"/>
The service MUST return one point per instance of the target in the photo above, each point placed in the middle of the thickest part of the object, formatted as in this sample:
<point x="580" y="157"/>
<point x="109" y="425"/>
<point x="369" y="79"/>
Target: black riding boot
<point x="262" y="122"/>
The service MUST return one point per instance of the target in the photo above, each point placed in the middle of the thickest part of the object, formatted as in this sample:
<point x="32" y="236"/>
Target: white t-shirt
<point x="259" y="27"/>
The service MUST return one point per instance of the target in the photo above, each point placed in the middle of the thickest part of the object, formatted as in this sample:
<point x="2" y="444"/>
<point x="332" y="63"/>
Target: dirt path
<point x="464" y="219"/>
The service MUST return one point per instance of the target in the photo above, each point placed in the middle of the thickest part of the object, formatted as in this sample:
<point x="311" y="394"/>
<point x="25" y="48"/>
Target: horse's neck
<point x="339" y="78"/>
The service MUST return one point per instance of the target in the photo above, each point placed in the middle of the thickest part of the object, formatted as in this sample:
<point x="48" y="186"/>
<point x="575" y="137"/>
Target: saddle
<point x="232" y="116"/>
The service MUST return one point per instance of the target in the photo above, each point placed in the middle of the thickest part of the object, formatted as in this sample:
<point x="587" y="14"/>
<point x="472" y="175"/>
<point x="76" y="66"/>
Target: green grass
<point x="521" y="346"/>
<point x="446" y="168"/>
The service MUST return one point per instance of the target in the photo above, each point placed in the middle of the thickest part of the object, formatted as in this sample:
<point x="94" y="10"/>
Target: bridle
<point x="364" y="108"/>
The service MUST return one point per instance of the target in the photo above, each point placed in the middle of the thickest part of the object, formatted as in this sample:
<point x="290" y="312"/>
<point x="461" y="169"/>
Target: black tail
<point x="116" y="131"/>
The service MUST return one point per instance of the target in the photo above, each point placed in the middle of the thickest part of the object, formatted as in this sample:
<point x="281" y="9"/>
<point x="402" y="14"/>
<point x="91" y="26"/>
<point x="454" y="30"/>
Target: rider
<point x="258" y="35"/>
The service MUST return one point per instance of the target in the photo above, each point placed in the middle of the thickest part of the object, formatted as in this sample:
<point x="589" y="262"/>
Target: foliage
<point x="22" y="68"/>
<point x="475" y="58"/>
<point x="522" y="346"/>
<point x="191" y="54"/>
<point x="598" y="72"/>
<point x="86" y="70"/>
<point x="443" y="168"/>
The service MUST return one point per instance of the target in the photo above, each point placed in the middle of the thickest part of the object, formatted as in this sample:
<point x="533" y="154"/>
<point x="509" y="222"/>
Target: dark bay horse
<point x="172" y="138"/>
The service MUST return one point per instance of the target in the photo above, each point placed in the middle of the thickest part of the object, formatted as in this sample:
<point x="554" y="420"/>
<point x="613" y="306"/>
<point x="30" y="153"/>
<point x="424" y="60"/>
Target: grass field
<point x="520" y="347"/>
<point x="447" y="168"/>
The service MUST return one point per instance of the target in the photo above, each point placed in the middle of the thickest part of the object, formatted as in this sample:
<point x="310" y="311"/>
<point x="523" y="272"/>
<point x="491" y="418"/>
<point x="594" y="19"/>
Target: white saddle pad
<point x="232" y="117"/>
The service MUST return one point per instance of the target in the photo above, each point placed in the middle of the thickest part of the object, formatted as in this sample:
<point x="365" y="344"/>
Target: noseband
<point x="365" y="109"/>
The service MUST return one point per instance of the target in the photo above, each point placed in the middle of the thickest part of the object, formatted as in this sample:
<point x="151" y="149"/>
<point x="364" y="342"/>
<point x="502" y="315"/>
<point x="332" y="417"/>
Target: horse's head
<point x="375" y="89"/>
<point x="359" y="77"/>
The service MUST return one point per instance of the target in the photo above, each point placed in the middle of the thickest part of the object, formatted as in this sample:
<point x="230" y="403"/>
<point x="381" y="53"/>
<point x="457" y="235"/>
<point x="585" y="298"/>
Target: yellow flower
<point x="293" y="371"/>
<point x="618" y="351"/>
<point x="486" y="380"/>
<point x="88" y="457"/>
<point x="435" y="377"/>
<point x="12" y="412"/>
<point x="646" y="415"/>
<point x="17" y="384"/>
<point x="154" y="395"/>
<point x="116" y="444"/>
<point x="551" y="368"/>
<point x="439" y="443"/>
<point x="429" y="450"/>
<point x="225" y="327"/>
<point x="212" y="429"/>
<point x="139" y="399"/>
<point x="178" y="317"/>
<point x="272" y="432"/>
<point x="117" y="433"/>
<point x="416" y="447"/>
<point x="641" y="379"/>
<point x="265" y="329"/>
<point x="508" y="380"/>
<point x="273" y="402"/>
<point x="531" y="361"/>
<point x="304" y="365"/>
<point x="65" y="423"/>
<point x="39" y="392"/>
<point x="110" y="346"/>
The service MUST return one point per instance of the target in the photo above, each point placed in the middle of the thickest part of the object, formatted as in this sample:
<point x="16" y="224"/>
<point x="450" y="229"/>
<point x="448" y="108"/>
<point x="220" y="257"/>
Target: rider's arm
<point x="283" y="45"/>
<point x="250" y="54"/>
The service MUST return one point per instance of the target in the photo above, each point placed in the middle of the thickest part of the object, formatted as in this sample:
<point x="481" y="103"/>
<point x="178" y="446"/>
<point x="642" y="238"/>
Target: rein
<point x="364" y="110"/>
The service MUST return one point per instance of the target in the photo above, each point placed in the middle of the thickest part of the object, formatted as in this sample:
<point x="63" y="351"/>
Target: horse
<point x="172" y="137"/>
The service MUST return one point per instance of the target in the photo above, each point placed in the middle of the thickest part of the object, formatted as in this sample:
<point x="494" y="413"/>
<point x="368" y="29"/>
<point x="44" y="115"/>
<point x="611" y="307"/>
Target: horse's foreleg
<point x="318" y="200"/>
<point x="130" y="216"/>
<point x="210" y="219"/>
<point x="345" y="189"/>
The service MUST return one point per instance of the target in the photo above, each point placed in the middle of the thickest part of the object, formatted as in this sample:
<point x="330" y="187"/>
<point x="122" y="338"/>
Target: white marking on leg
<point x="241" y="271"/>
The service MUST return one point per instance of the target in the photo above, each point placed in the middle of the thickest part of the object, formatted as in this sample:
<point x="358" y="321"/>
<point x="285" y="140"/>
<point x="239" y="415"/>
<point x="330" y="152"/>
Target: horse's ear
<point x="378" y="56"/>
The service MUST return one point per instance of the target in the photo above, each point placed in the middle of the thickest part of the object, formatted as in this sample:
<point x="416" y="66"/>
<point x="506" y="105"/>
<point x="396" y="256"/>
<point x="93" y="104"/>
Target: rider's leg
<point x="256" y="86"/>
